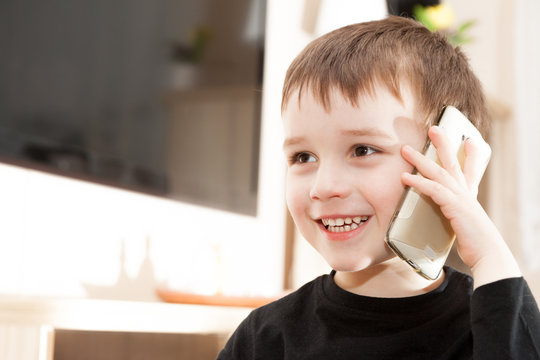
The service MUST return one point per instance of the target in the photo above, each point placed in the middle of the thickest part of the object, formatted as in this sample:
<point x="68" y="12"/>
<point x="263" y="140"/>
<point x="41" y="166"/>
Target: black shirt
<point x="322" y="321"/>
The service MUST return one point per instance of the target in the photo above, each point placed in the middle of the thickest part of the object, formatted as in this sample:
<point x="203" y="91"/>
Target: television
<point x="160" y="97"/>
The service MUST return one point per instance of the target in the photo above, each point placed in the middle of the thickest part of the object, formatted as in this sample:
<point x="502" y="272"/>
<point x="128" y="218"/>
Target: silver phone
<point x="419" y="233"/>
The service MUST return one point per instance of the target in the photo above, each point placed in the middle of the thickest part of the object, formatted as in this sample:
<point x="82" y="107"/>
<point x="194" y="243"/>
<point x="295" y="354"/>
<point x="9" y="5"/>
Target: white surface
<point x="527" y="50"/>
<point x="110" y="315"/>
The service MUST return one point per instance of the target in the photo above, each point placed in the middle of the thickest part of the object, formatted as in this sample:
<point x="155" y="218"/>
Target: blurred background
<point x="140" y="142"/>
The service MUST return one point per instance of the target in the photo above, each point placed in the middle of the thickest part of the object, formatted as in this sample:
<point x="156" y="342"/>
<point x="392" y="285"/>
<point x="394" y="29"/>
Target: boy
<point x="358" y="104"/>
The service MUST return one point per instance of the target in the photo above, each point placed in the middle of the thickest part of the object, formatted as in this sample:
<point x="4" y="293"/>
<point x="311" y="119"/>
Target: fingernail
<point x="406" y="177"/>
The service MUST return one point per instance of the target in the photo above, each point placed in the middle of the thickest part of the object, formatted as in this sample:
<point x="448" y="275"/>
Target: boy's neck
<point x="391" y="279"/>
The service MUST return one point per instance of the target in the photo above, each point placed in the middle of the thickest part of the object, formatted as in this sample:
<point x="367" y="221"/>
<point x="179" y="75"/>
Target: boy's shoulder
<point x="264" y="330"/>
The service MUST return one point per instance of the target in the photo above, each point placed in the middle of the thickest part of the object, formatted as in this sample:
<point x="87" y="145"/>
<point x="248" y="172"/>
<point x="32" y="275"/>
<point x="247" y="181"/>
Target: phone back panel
<point x="419" y="233"/>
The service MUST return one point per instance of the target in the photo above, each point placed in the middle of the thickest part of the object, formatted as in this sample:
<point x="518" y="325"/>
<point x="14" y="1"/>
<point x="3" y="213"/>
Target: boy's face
<point x="344" y="168"/>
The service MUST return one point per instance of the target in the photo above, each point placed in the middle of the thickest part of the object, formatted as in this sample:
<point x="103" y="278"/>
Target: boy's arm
<point x="479" y="243"/>
<point x="505" y="321"/>
<point x="496" y="261"/>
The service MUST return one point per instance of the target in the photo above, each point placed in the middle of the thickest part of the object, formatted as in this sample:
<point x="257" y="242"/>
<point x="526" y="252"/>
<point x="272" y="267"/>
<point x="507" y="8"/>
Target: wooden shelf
<point x="214" y="300"/>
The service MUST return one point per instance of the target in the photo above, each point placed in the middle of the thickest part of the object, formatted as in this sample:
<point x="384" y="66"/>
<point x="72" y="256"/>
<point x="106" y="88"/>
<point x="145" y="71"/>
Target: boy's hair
<point x="391" y="52"/>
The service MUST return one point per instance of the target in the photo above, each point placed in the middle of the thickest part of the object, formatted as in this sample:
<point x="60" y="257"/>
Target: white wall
<point x="527" y="117"/>
<point x="65" y="237"/>
<point x="505" y="56"/>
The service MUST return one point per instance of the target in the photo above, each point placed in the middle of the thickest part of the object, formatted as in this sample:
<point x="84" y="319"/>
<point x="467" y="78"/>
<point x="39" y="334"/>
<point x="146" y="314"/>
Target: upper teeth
<point x="343" y="221"/>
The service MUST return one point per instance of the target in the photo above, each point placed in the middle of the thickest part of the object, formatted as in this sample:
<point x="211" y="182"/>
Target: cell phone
<point x="419" y="233"/>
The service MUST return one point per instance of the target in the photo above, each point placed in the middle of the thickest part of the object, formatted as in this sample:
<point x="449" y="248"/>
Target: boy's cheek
<point x="292" y="198"/>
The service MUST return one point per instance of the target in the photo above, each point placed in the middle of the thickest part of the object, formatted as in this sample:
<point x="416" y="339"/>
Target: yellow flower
<point x="441" y="16"/>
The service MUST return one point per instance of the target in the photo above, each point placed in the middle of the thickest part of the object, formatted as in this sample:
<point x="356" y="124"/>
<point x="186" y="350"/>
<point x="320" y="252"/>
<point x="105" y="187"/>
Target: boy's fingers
<point x="440" y="194"/>
<point x="446" y="155"/>
<point x="429" y="168"/>
<point x="472" y="167"/>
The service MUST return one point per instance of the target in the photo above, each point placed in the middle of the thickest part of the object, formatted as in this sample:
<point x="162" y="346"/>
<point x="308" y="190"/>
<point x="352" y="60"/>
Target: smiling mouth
<point x="343" y="224"/>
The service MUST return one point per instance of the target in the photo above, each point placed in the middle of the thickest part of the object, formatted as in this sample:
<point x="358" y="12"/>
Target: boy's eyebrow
<point x="349" y="132"/>
<point x="366" y="132"/>
<point x="292" y="141"/>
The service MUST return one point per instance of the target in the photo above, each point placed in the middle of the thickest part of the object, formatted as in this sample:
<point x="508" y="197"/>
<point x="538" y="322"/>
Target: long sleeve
<point x="505" y="321"/>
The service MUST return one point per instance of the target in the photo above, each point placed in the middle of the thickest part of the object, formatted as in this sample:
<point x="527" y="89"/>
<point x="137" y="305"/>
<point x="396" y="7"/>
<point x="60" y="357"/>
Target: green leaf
<point x="420" y="14"/>
<point x="459" y="39"/>
<point x="463" y="27"/>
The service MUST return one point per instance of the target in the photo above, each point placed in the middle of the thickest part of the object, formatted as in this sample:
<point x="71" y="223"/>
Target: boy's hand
<point x="479" y="243"/>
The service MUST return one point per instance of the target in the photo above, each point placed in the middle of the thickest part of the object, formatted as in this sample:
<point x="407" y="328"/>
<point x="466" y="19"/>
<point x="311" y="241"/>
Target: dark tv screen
<point x="161" y="97"/>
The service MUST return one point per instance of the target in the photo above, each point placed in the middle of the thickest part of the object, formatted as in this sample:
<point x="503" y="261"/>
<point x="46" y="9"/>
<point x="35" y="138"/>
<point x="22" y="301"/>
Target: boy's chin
<point x="356" y="265"/>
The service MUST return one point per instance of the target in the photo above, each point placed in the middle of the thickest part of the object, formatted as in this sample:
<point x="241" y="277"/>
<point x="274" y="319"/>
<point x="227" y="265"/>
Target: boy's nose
<point x="330" y="182"/>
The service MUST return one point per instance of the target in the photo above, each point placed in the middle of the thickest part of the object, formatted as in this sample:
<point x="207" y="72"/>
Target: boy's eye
<point x="302" y="158"/>
<point x="364" y="150"/>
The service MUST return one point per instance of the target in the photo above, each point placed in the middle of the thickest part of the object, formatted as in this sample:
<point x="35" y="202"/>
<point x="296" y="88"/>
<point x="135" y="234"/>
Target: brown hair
<point x="357" y="58"/>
